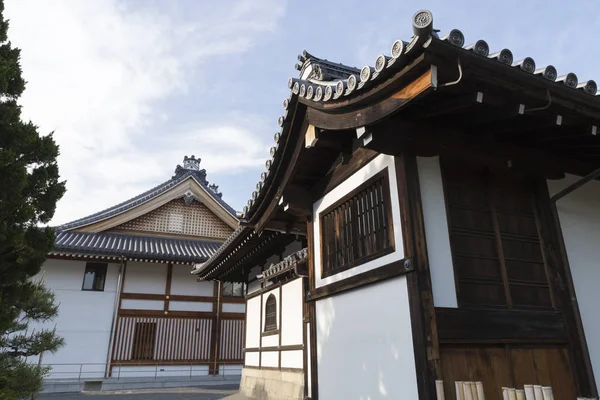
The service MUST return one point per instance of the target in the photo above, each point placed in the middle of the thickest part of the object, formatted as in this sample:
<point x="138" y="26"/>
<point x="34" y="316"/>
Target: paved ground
<point x="188" y="393"/>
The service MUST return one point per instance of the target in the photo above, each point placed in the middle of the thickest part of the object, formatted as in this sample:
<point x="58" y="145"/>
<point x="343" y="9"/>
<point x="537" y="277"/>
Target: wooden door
<point x="498" y="366"/>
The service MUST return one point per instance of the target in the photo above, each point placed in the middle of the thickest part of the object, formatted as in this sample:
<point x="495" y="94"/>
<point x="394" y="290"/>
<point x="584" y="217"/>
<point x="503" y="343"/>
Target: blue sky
<point x="131" y="86"/>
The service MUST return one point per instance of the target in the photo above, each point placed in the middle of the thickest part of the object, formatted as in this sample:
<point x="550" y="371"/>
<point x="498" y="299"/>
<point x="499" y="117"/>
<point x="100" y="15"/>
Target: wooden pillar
<point x="168" y="287"/>
<point x="422" y="312"/>
<point x="561" y="280"/>
<point x="312" y="315"/>
<point x="213" y="368"/>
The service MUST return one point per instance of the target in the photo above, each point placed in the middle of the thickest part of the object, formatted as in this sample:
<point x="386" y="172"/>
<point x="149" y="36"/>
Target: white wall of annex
<point x="251" y="358"/>
<point x="233" y="307"/>
<point x="269" y="359"/>
<point x="579" y="214"/>
<point x="190" y="306"/>
<point x="150" y="278"/>
<point x="133" y="304"/>
<point x="253" y="322"/>
<point x="364" y="344"/>
<point x="292" y="359"/>
<point x="186" y="284"/>
<point x="436" y="232"/>
<point x="84" y="317"/>
<point x="378" y="164"/>
<point x="291" y="316"/>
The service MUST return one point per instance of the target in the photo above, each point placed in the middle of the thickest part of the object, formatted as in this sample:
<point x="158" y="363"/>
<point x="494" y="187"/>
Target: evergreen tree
<point x="29" y="190"/>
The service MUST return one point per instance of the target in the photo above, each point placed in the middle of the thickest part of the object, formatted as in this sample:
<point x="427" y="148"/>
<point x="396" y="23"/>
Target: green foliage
<point x="29" y="190"/>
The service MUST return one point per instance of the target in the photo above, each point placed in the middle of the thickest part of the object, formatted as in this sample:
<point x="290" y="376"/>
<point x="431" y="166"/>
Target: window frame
<point x="387" y="204"/>
<point x="242" y="295"/>
<point x="95" y="267"/>
<point x="141" y="339"/>
<point x="272" y="327"/>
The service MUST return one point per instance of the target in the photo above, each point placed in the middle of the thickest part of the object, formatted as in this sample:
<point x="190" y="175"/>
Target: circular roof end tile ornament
<point x="569" y="80"/>
<point x="527" y="64"/>
<point x="365" y="73"/>
<point x="588" y="87"/>
<point x="276" y="137"/>
<point x="398" y="48"/>
<point x="422" y="23"/>
<point x="454" y="37"/>
<point x="254" y="195"/>
<point x="302" y="91"/>
<point x="280" y="120"/>
<point x="259" y="186"/>
<point x="268" y="164"/>
<point x="245" y="210"/>
<point x="310" y="92"/>
<point x="548" y="72"/>
<point x="380" y="63"/>
<point x="328" y="93"/>
<point x="340" y="87"/>
<point x="318" y="93"/>
<point x="286" y="104"/>
<point x="290" y="83"/>
<point x="250" y="202"/>
<point x="296" y="88"/>
<point x="352" y="83"/>
<point x="480" y="47"/>
<point x="263" y="176"/>
<point x="503" y="56"/>
<point x="272" y="151"/>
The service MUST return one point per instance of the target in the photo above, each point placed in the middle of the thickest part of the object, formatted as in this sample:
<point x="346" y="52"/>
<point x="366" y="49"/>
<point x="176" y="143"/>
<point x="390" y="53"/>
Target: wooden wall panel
<point x="498" y="366"/>
<point x="231" y="343"/>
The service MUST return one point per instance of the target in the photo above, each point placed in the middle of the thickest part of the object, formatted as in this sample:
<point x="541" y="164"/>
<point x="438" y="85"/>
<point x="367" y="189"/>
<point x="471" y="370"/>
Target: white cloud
<point x="104" y="76"/>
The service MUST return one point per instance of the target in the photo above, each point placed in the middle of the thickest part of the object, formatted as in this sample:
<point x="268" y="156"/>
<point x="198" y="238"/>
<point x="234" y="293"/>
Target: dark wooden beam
<point x="422" y="313"/>
<point x="374" y="112"/>
<point x="472" y="325"/>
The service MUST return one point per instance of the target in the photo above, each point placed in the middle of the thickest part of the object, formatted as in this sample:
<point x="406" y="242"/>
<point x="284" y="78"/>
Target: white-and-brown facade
<point x="129" y="306"/>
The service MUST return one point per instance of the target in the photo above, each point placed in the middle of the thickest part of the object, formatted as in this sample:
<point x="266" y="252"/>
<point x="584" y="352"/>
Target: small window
<point x="271" y="314"/>
<point x="94" y="277"/>
<point x="234" y="289"/>
<point x="358" y="227"/>
<point x="143" y="341"/>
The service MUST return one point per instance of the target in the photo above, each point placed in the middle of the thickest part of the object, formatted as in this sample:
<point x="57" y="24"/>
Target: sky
<point x="131" y="86"/>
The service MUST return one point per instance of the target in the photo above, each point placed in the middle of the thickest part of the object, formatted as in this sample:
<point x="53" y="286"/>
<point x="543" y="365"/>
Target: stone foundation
<point x="272" y="385"/>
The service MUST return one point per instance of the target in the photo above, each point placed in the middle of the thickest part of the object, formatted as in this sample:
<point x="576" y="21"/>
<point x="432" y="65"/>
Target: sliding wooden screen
<point x="494" y="235"/>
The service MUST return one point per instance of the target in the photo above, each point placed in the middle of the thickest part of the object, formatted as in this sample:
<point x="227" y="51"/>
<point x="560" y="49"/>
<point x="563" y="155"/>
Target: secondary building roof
<point x="150" y="226"/>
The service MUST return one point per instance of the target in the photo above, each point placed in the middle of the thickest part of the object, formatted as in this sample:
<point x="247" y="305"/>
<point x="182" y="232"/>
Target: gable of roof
<point x="187" y="181"/>
<point x="183" y="216"/>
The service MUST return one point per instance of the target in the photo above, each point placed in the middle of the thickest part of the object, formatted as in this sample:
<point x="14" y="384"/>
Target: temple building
<point x="129" y="306"/>
<point x="426" y="228"/>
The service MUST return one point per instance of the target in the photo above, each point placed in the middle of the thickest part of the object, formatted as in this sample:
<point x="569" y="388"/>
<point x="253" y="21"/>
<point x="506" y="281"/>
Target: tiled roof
<point x="143" y="247"/>
<point x="287" y="264"/>
<point x="181" y="174"/>
<point x="323" y="81"/>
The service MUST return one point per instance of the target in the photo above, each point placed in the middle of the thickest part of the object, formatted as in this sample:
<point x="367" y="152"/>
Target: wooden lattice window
<point x="144" y="338"/>
<point x="357" y="228"/>
<point x="497" y="251"/>
<point x="271" y="314"/>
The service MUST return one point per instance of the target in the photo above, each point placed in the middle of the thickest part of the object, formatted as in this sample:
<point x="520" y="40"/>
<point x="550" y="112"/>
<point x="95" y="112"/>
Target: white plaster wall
<point x="376" y="165"/>
<point x="269" y="359"/>
<point x="234" y="307"/>
<point x="364" y="344"/>
<point x="184" y="283"/>
<point x="308" y="358"/>
<point x="252" y="359"/>
<point x="292" y="359"/>
<point x="253" y="323"/>
<point x="84" y="317"/>
<point x="131" y="304"/>
<point x="148" y="278"/>
<point x="271" y="340"/>
<point x="159" y="371"/>
<point x="291" y="324"/>
<point x="190" y="306"/>
<point x="436" y="232"/>
<point x="579" y="214"/>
